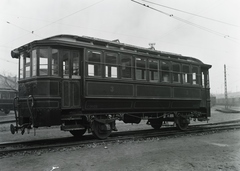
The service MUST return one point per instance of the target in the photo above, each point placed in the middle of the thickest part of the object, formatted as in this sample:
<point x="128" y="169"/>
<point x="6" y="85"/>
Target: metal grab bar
<point x="14" y="108"/>
<point x="30" y="109"/>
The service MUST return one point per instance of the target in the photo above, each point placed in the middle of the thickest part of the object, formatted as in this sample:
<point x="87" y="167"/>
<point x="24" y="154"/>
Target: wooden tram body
<point x="6" y="99"/>
<point x="87" y="83"/>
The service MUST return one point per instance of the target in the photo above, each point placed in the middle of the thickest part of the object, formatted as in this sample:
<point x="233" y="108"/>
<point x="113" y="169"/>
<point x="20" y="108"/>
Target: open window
<point x="55" y="62"/>
<point x="186" y="74"/>
<point x="153" y="66"/>
<point x="111" y="65"/>
<point x="126" y="66"/>
<point x="195" y="75"/>
<point x="165" y="71"/>
<point x="141" y="68"/>
<point x="205" y="78"/>
<point x="75" y="65"/>
<point x="176" y="73"/>
<point x="94" y="66"/>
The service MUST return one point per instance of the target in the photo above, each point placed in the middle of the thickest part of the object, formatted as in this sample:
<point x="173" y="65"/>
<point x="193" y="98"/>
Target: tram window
<point x="140" y="68"/>
<point x="186" y="74"/>
<point x="165" y="69"/>
<point x="176" y="73"/>
<point x="126" y="66"/>
<point x="54" y="62"/>
<point x="21" y="64"/>
<point x="111" y="65"/>
<point x="66" y="56"/>
<point x="27" y="66"/>
<point x="75" y="65"/>
<point x="12" y="95"/>
<point x="195" y="75"/>
<point x="153" y="66"/>
<point x="205" y="79"/>
<point x="43" y="62"/>
<point x="34" y="62"/>
<point x="94" y="64"/>
<point x="5" y="95"/>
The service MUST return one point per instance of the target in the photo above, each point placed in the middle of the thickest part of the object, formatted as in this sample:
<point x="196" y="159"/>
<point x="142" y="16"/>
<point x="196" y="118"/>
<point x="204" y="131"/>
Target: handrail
<point x="30" y="109"/>
<point x="14" y="108"/>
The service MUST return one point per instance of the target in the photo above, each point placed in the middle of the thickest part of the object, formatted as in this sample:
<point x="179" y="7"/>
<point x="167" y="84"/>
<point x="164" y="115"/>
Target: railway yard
<point x="204" y="146"/>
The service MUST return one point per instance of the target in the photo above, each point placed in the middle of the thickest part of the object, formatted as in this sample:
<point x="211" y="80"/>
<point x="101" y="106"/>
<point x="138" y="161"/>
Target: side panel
<point x="105" y="89"/>
<point x="46" y="96"/>
<point x="109" y="96"/>
<point x="71" y="94"/>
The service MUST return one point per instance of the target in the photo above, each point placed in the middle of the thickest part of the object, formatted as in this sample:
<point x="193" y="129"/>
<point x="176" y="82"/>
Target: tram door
<point x="206" y="89"/>
<point x="71" y="81"/>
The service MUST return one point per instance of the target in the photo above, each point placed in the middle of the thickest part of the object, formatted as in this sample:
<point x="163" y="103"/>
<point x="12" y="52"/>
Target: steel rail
<point x="7" y="121"/>
<point x="116" y="137"/>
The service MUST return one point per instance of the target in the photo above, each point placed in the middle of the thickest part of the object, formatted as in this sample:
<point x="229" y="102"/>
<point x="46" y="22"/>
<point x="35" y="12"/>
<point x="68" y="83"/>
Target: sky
<point x="205" y="29"/>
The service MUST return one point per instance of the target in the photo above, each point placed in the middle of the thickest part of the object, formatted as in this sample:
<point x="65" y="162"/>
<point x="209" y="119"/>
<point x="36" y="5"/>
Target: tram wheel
<point x="156" y="123"/>
<point x="182" y="123"/>
<point x="78" y="133"/>
<point x="12" y="129"/>
<point x="101" y="130"/>
<point x="6" y="111"/>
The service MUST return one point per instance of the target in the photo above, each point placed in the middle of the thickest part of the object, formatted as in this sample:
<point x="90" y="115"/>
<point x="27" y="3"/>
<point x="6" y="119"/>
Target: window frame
<point x="107" y="65"/>
<point x="47" y="48"/>
<point x="58" y="62"/>
<point x="165" y="71"/>
<point x="198" y="75"/>
<point x="186" y="75"/>
<point x="32" y="64"/>
<point x="100" y="64"/>
<point x="145" y="68"/>
<point x="72" y="57"/>
<point x="131" y="66"/>
<point x="21" y="67"/>
<point x="176" y="73"/>
<point x="150" y="70"/>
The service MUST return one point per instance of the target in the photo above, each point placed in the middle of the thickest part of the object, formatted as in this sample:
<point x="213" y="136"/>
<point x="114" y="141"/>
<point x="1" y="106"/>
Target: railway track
<point x="9" y="147"/>
<point x="7" y="121"/>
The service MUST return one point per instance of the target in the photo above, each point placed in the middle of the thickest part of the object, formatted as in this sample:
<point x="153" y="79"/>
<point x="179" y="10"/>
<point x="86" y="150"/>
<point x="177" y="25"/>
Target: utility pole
<point x="225" y="84"/>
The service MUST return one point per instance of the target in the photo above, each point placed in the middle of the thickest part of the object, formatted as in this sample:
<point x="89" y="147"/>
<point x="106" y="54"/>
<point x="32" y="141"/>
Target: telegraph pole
<point x="225" y="84"/>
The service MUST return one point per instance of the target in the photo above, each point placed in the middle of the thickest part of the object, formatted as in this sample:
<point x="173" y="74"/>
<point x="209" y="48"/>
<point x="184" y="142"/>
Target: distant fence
<point x="231" y="101"/>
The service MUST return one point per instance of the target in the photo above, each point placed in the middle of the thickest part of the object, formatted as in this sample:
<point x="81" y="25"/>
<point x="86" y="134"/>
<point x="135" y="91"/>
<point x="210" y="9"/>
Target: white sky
<point x="133" y="24"/>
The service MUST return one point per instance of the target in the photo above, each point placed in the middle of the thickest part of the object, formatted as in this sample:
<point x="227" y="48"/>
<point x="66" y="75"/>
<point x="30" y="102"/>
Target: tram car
<point x="83" y="83"/>
<point x="6" y="99"/>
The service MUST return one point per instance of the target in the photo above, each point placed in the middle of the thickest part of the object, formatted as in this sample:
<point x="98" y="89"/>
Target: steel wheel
<point x="6" y="111"/>
<point x="182" y="123"/>
<point x="101" y="130"/>
<point x="78" y="133"/>
<point x="156" y="123"/>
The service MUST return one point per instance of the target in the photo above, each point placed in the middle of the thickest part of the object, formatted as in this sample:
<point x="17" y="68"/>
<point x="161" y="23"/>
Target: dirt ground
<point x="211" y="152"/>
<point x="219" y="151"/>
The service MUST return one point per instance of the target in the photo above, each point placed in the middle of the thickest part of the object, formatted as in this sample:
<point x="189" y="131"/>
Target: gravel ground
<point x="218" y="151"/>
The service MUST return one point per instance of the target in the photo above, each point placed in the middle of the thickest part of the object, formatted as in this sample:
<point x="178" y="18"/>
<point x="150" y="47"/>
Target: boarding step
<point x="71" y="117"/>
<point x="72" y="127"/>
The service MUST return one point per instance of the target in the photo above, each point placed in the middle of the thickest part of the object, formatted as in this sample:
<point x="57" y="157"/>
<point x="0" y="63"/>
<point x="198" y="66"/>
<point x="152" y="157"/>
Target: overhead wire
<point x="190" y="23"/>
<point x="33" y="31"/>
<point x="15" y="25"/>
<point x="68" y="15"/>
<point x="190" y="13"/>
<point x="8" y="61"/>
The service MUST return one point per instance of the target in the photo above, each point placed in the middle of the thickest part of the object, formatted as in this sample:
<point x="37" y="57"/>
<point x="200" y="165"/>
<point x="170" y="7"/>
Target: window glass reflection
<point x="43" y="62"/>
